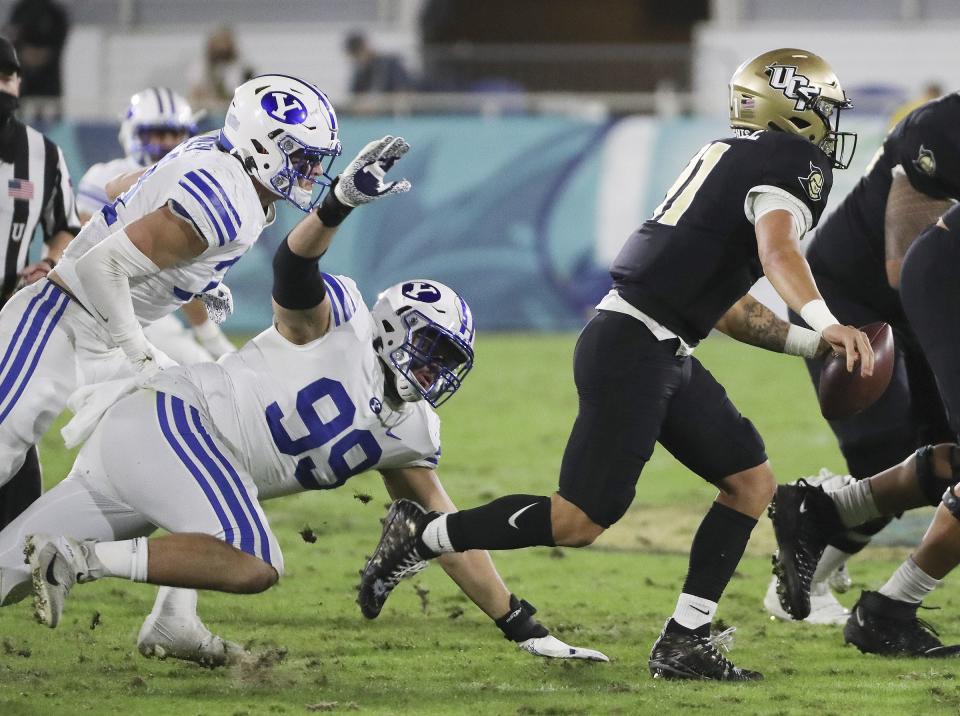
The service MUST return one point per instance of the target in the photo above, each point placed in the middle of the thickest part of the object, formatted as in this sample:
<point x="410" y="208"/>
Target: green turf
<point x="433" y="653"/>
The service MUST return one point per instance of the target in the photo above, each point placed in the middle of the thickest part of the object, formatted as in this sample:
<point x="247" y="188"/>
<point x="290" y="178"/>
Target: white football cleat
<point x="553" y="648"/>
<point x="824" y="607"/>
<point x="56" y="564"/>
<point x="186" y="638"/>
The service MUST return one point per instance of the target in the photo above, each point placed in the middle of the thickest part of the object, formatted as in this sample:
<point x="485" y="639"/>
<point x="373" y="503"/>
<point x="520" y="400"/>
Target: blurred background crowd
<point x="544" y="131"/>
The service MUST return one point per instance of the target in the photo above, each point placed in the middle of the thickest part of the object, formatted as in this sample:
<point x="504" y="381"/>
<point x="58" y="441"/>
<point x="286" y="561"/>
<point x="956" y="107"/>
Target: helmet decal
<point x="284" y="107"/>
<point x="421" y="291"/>
<point x="793" y="85"/>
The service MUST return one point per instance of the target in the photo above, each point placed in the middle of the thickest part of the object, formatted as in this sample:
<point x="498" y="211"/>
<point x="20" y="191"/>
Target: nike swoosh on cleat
<point x="859" y="618"/>
<point x="50" y="577"/>
<point x="512" y="521"/>
<point x="803" y="506"/>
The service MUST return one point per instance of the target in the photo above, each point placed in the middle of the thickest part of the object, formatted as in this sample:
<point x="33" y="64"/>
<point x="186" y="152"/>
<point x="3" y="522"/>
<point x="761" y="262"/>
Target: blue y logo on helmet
<point x="421" y="291"/>
<point x="284" y="107"/>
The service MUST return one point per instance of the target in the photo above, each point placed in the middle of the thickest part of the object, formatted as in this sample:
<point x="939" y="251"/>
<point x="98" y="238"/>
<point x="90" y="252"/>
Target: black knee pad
<point x="952" y="502"/>
<point x="929" y="483"/>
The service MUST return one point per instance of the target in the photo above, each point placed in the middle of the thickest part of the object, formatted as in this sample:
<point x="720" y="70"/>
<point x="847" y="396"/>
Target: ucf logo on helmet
<point x="793" y="86"/>
<point x="284" y="107"/>
<point x="421" y="291"/>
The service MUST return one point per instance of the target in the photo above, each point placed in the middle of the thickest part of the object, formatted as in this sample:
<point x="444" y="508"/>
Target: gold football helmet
<point x="794" y="91"/>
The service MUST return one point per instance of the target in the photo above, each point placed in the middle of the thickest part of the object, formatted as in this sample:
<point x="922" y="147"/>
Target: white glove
<point x="150" y="361"/>
<point x="362" y="181"/>
<point x="209" y="335"/>
<point x="219" y="303"/>
<point x="553" y="648"/>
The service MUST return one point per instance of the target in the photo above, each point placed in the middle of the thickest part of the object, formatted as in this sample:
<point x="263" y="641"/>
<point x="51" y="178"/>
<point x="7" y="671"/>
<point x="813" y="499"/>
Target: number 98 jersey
<point x="697" y="255"/>
<point x="309" y="416"/>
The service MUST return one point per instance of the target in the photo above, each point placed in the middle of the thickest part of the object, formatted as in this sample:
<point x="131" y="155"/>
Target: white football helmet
<point x="283" y="129"/>
<point x="156" y="109"/>
<point x="425" y="337"/>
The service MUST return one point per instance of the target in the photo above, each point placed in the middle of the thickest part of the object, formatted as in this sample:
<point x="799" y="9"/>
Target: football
<point x="843" y="394"/>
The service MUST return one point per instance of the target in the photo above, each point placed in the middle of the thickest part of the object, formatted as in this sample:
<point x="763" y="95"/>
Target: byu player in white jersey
<point x="170" y="237"/>
<point x="329" y="391"/>
<point x="156" y="120"/>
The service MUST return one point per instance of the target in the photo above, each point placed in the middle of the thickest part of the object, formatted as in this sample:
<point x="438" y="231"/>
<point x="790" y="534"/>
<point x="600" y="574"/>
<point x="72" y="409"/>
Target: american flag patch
<point x="20" y="188"/>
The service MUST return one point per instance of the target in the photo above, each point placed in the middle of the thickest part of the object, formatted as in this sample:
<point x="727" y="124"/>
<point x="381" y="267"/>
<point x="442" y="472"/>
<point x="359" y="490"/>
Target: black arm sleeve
<point x="297" y="281"/>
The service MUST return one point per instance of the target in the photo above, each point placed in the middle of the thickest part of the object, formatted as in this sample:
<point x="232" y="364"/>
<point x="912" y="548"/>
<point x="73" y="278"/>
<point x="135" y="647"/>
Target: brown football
<point x="844" y="394"/>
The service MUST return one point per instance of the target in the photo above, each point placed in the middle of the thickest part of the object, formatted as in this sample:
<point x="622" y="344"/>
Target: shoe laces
<point x="406" y="567"/>
<point x="723" y="640"/>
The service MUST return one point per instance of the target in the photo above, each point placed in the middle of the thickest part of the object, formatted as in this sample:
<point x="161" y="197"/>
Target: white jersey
<point x="203" y="185"/>
<point x="92" y="192"/>
<point x="310" y="416"/>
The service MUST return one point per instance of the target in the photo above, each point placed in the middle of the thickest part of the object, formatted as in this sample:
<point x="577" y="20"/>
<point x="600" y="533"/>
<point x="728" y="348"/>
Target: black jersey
<point x="697" y="255"/>
<point x="39" y="193"/>
<point x="849" y="247"/>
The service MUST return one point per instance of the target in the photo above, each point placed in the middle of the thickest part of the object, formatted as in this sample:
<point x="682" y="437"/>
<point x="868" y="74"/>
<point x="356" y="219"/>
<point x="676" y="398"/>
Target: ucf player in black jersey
<point x="856" y="257"/>
<point x="735" y="213"/>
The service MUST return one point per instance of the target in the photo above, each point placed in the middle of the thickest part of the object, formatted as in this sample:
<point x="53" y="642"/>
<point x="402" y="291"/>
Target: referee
<point x="38" y="192"/>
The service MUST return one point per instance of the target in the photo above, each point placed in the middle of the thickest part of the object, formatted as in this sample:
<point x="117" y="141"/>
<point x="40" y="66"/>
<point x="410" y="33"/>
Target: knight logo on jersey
<point x="794" y="86"/>
<point x="926" y="162"/>
<point x="813" y="182"/>
<point x="421" y="291"/>
<point x="284" y="107"/>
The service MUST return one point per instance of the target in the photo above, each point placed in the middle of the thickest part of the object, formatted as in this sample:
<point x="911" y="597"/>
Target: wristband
<point x="332" y="211"/>
<point x="816" y="315"/>
<point x="518" y="624"/>
<point x="801" y="342"/>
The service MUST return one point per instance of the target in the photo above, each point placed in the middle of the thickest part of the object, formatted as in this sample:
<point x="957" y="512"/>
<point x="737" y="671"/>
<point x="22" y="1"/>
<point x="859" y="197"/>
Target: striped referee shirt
<point x="38" y="193"/>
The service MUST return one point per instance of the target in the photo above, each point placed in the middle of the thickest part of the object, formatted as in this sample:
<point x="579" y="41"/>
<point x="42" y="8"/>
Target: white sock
<point x="693" y="612"/>
<point x="126" y="559"/>
<point x="830" y="560"/>
<point x="909" y="583"/>
<point x="435" y="535"/>
<point x="855" y="503"/>
<point x="174" y="602"/>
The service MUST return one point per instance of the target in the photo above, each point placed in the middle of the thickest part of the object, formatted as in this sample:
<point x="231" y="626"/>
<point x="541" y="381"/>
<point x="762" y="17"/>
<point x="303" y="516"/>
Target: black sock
<point x="673" y="627"/>
<point x="510" y="522"/>
<point x="716" y="551"/>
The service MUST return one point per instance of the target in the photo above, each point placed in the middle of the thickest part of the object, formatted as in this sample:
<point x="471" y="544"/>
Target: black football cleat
<point x="804" y="518"/>
<point x="690" y="656"/>
<point x="398" y="555"/>
<point x="889" y="627"/>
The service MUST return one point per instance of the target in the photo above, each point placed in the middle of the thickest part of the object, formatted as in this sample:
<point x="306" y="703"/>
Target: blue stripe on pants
<point x="229" y="533"/>
<point x="57" y="301"/>
<point x="235" y="478"/>
<point x="178" y="408"/>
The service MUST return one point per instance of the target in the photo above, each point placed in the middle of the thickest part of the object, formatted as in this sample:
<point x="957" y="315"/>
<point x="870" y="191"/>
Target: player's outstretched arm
<point x="300" y="311"/>
<point x="477" y="577"/>
<point x="156" y="241"/>
<point x="778" y="247"/>
<point x="908" y="213"/>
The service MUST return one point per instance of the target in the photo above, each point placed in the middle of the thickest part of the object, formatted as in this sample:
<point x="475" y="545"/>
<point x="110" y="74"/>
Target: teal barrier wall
<point x="503" y="209"/>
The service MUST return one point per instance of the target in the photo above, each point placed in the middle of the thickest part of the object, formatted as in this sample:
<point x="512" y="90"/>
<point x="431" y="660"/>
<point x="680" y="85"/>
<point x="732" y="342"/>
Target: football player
<point x="805" y="517"/>
<point x="329" y="391"/>
<point x="855" y="256"/>
<point x="156" y="120"/>
<point x="735" y="213"/>
<point x="170" y="237"/>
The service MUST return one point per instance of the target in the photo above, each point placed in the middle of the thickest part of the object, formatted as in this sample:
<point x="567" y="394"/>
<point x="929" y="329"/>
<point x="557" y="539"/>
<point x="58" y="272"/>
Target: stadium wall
<point x="520" y="214"/>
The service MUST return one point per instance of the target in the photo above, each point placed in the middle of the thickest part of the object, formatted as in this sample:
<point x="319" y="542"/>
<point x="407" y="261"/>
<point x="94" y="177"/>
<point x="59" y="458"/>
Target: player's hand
<point x="854" y="344"/>
<point x="553" y="648"/>
<point x="363" y="180"/>
<point x="219" y="303"/>
<point x="34" y="272"/>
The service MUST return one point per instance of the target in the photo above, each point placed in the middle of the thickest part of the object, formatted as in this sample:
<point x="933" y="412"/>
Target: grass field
<point x="431" y="652"/>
